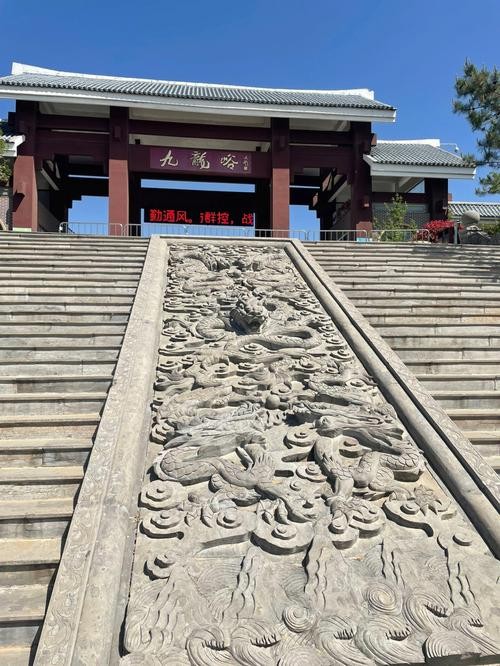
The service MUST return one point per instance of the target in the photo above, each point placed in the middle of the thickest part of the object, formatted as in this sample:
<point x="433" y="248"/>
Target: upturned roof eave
<point x="377" y="114"/>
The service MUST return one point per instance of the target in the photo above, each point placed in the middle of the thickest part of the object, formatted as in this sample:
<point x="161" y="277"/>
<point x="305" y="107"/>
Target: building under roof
<point x="75" y="135"/>
<point x="488" y="210"/>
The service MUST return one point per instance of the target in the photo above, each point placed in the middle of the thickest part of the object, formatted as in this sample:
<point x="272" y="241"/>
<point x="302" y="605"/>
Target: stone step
<point x="21" y="258"/>
<point x="40" y="475"/>
<point x="73" y="258"/>
<point x="44" y="452"/>
<point x="410" y="274"/>
<point x="475" y="419"/>
<point x="74" y="309"/>
<point x="419" y="249"/>
<point x="15" y="656"/>
<point x="35" y="328"/>
<point x="51" y="279"/>
<point x="29" y="519"/>
<point x="84" y="250"/>
<point x="36" y="269"/>
<point x="439" y="282"/>
<point x="494" y="461"/>
<point x="104" y="254"/>
<point x="472" y="267"/>
<point x="28" y="561"/>
<point x="79" y="383"/>
<point x="22" y="609"/>
<point x="368" y="259"/>
<point x="487" y="443"/>
<point x="81" y="426"/>
<point x="24" y="404"/>
<point x="460" y="352"/>
<point x="42" y="291"/>
<point x="56" y="368"/>
<point x="422" y="250"/>
<point x="33" y="317"/>
<point x="455" y="382"/>
<point x="428" y="302"/>
<point x="43" y="240"/>
<point x="469" y="399"/>
<point x="65" y="352"/>
<point x="483" y="437"/>
<point x="40" y="483"/>
<point x="381" y="258"/>
<point x="426" y="338"/>
<point x="397" y="308"/>
<point x="408" y="291"/>
<point x="440" y="318"/>
<point x="68" y="301"/>
<point x="59" y="340"/>
<point x="399" y="264"/>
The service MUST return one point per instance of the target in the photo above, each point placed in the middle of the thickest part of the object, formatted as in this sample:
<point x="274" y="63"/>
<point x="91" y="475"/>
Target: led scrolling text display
<point x="217" y="218"/>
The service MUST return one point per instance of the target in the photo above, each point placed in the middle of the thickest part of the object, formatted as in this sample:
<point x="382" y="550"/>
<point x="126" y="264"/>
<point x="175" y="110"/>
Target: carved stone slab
<point x="286" y="517"/>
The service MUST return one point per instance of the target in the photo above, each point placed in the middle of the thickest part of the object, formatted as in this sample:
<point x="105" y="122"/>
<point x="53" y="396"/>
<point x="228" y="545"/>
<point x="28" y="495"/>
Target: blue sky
<point x="408" y="52"/>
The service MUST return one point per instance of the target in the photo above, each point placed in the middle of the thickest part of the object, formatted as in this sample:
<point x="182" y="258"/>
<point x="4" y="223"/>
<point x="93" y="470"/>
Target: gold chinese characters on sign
<point x="199" y="159"/>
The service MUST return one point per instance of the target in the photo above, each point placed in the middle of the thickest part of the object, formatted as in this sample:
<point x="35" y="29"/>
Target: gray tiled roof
<point x="484" y="208"/>
<point x="195" y="91"/>
<point x="7" y="132"/>
<point x="420" y="154"/>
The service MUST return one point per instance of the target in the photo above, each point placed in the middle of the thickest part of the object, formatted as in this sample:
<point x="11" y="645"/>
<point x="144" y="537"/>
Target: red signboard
<point x="236" y="218"/>
<point x="201" y="160"/>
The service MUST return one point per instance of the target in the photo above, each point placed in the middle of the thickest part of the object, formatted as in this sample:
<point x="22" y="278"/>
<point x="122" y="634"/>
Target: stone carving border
<point x="473" y="482"/>
<point x="80" y="622"/>
<point x="90" y="594"/>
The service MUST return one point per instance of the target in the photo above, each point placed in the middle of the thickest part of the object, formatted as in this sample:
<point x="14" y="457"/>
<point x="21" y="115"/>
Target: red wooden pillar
<point x="436" y="193"/>
<point x="24" y="188"/>
<point x="361" y="180"/>
<point x="280" y="177"/>
<point x="118" y="206"/>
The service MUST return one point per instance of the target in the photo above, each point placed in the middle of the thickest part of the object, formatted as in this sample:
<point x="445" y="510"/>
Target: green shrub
<point x="491" y="228"/>
<point x="394" y="228"/>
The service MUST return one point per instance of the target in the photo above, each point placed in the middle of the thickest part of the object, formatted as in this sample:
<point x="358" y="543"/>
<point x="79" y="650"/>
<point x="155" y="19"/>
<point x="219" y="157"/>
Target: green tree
<point x="394" y="227"/>
<point x="478" y="99"/>
<point x="5" y="169"/>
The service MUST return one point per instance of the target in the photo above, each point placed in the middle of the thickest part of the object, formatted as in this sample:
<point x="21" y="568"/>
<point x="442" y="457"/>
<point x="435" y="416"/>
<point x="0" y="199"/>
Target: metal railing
<point x="375" y="235"/>
<point x="92" y="229"/>
<point x="343" y="235"/>
<point x="155" y="228"/>
<point x="399" y="236"/>
<point x="147" y="229"/>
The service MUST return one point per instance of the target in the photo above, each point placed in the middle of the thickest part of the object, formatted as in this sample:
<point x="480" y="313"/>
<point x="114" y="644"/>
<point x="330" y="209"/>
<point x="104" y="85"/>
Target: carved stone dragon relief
<point x="287" y="517"/>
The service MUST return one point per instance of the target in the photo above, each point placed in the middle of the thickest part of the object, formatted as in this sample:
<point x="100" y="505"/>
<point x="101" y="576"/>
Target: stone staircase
<point x="64" y="307"/>
<point x="438" y="307"/>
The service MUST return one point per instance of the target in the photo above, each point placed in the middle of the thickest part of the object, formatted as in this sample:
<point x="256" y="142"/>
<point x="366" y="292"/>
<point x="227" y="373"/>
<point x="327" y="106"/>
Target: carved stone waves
<point x="287" y="517"/>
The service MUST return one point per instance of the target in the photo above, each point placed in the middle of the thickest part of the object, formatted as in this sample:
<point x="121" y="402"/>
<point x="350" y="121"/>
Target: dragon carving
<point x="286" y="516"/>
